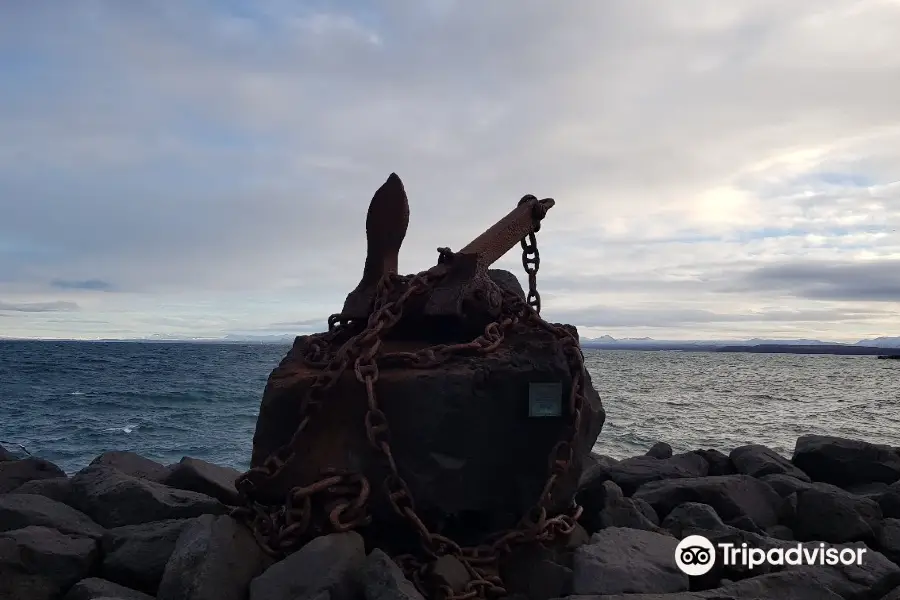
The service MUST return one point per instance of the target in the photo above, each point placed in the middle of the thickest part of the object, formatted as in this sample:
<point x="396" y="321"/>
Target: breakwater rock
<point x="127" y="528"/>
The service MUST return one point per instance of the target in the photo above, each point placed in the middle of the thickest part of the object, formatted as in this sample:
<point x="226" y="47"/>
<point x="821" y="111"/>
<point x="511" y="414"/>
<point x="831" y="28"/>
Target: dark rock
<point x="893" y="595"/>
<point x="382" y="579"/>
<point x="780" y="532"/>
<point x="719" y="463"/>
<point x="660" y="450"/>
<point x="889" y="501"/>
<point x="38" y="563"/>
<point x="646" y="510"/>
<point x="788" y="511"/>
<point x="450" y="570"/>
<point x="889" y="539"/>
<point x="758" y="460"/>
<point x="730" y="495"/>
<point x="507" y="281"/>
<point x="786" y="485"/>
<point x="18" y="511"/>
<point x="94" y="588"/>
<point x="206" y="478"/>
<point x="215" y="558"/>
<point x="599" y="459"/>
<point x="619" y="561"/>
<point x="845" y="462"/>
<point x="806" y="583"/>
<point x="55" y="488"/>
<point x="328" y="564"/>
<point x="692" y="516"/>
<point x="114" y="499"/>
<point x="632" y="473"/>
<point x="136" y="555"/>
<point x="529" y="570"/>
<point x="616" y="511"/>
<point x="6" y="455"/>
<point x="13" y="473"/>
<point x="497" y="470"/>
<point x="834" y="516"/>
<point x="867" y="490"/>
<point x="745" y="523"/>
<point x="133" y="464"/>
<point x="802" y="584"/>
<point x="595" y="463"/>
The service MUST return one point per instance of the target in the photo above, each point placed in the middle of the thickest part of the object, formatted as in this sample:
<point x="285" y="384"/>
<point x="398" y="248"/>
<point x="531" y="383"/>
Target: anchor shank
<point x="503" y="236"/>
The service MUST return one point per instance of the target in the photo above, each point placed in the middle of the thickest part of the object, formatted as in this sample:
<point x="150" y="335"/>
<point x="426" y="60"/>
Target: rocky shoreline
<point x="128" y="528"/>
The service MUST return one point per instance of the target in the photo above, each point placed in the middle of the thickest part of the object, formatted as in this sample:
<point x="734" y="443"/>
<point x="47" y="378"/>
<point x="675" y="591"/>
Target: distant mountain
<point x="231" y="337"/>
<point x="881" y="345"/>
<point x="881" y="342"/>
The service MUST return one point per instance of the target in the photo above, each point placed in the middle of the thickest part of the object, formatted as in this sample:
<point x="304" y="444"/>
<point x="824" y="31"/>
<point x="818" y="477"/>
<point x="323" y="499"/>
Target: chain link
<point x="338" y="500"/>
<point x="531" y="257"/>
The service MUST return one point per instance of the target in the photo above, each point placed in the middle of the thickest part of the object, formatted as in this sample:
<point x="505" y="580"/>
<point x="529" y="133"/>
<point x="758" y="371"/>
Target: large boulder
<point x="619" y="560"/>
<point x="197" y="475"/>
<point x="6" y="455"/>
<point x="475" y="449"/>
<point x="215" y="558"/>
<point x="719" y="463"/>
<point x="846" y="462"/>
<point x="632" y="473"/>
<point x="133" y="464"/>
<point x="615" y="510"/>
<point x="758" y="460"/>
<point x="535" y="571"/>
<point x="13" y="473"/>
<point x="114" y="499"/>
<point x="55" y="488"/>
<point x="38" y="563"/>
<point x="94" y="588"/>
<point x="835" y="516"/>
<point x="731" y="496"/>
<point x="328" y="564"/>
<point x="889" y="501"/>
<point x="23" y="510"/>
<point x="786" y="485"/>
<point x="660" y="450"/>
<point x="136" y="555"/>
<point x="690" y="518"/>
<point x="382" y="579"/>
<point x="888" y="542"/>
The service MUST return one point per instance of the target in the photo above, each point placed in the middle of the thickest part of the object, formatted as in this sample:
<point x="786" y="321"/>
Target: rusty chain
<point x="338" y="500"/>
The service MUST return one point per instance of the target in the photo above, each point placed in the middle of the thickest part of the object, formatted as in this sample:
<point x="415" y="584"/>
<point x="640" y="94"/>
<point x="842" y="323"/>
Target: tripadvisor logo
<point x="695" y="555"/>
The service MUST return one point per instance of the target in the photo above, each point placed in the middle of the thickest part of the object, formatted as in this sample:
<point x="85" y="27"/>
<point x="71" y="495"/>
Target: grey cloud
<point x="88" y="284"/>
<point x="319" y="324"/>
<point x="201" y="150"/>
<point x="38" y="307"/>
<point x="873" y="281"/>
<point x="662" y="316"/>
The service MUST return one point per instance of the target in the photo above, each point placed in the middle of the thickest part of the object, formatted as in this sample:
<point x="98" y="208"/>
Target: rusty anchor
<point x="466" y="287"/>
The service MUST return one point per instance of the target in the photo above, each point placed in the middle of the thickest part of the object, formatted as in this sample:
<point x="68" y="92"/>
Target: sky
<point x="721" y="170"/>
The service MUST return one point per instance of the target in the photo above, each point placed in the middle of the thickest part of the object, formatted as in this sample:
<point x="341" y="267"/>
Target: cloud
<point x="39" y="307"/>
<point x="662" y="316"/>
<point x="871" y="281"/>
<point x="216" y="162"/>
<point x="88" y="284"/>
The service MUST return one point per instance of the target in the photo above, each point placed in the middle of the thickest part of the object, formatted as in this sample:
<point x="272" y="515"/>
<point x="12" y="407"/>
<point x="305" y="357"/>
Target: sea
<point x="70" y="401"/>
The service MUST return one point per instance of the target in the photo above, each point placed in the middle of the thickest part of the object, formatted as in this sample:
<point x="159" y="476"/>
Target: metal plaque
<point x="544" y="399"/>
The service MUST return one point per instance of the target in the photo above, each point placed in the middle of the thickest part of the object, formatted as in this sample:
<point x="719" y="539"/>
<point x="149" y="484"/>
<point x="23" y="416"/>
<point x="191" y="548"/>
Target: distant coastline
<point x="837" y="349"/>
<point x="878" y="347"/>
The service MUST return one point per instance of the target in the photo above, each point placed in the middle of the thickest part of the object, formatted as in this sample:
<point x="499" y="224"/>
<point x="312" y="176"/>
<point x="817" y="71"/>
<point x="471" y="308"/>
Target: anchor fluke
<point x="386" y="225"/>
